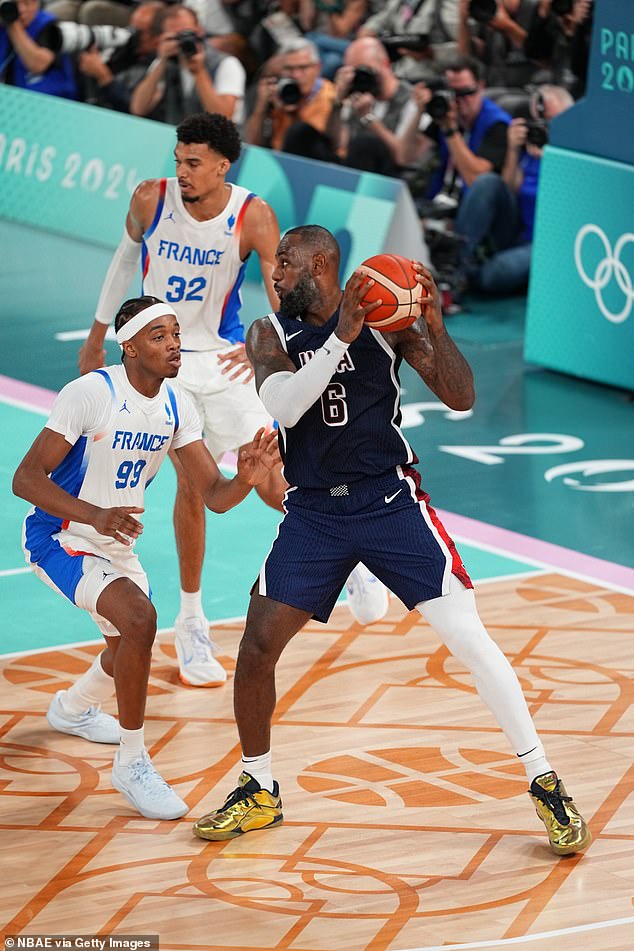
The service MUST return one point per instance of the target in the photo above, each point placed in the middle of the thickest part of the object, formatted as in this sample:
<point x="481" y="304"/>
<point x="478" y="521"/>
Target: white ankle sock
<point x="131" y="745"/>
<point x="90" y="690"/>
<point x="534" y="762"/>
<point x="260" y="768"/>
<point x="191" y="604"/>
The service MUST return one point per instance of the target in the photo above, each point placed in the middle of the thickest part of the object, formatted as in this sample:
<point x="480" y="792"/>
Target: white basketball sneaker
<point x="195" y="651"/>
<point x="93" y="724"/>
<point x="368" y="598"/>
<point x="146" y="790"/>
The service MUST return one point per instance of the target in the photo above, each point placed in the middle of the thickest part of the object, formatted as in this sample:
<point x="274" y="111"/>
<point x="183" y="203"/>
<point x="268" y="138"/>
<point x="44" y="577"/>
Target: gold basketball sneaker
<point x="249" y="807"/>
<point x="567" y="830"/>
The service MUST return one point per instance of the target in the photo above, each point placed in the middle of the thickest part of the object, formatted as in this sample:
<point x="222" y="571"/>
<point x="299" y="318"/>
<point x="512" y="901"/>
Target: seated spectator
<point x="375" y="107"/>
<point x="30" y="50"/>
<point x="498" y="215"/>
<point x="434" y="23"/>
<point x="560" y="42"/>
<point x="494" y="31"/>
<point x="293" y="108"/>
<point x="331" y="25"/>
<point x="115" y="77"/>
<point x="189" y="75"/>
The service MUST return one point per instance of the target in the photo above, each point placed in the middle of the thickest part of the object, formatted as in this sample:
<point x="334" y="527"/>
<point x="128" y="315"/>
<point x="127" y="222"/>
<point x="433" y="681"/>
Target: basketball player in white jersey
<point x="194" y="234"/>
<point x="86" y="475"/>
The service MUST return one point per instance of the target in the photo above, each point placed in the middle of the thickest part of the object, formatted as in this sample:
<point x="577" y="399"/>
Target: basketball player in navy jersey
<point x="331" y="382"/>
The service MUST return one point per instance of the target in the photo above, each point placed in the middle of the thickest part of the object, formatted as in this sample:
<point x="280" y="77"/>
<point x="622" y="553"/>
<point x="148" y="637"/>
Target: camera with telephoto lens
<point x="189" y="43"/>
<point x="288" y="91"/>
<point x="77" y="37"/>
<point x="537" y="133"/>
<point x="482" y="11"/>
<point x="562" y="8"/>
<point x="364" y="79"/>
<point x="9" y="12"/>
<point x="395" y="44"/>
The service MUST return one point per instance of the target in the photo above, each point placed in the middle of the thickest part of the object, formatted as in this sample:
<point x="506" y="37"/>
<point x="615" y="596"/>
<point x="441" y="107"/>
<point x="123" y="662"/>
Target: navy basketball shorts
<point x="384" y="522"/>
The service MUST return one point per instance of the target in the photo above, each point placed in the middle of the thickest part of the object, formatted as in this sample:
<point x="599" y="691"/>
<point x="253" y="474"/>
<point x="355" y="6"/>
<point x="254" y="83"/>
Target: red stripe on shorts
<point x="457" y="567"/>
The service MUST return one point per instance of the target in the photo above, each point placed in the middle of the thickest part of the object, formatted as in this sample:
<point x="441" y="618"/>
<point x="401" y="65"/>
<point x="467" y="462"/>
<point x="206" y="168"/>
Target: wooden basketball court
<point x="407" y="823"/>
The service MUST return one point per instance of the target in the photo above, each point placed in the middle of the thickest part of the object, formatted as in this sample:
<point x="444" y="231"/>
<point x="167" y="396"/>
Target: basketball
<point x="396" y="285"/>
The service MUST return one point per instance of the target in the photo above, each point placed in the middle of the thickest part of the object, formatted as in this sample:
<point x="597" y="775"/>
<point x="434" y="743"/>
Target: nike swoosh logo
<point x="290" y="336"/>
<point x="390" y="498"/>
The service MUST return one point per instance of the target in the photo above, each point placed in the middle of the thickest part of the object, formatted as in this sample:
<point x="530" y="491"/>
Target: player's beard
<point x="189" y="199"/>
<point x="295" y="303"/>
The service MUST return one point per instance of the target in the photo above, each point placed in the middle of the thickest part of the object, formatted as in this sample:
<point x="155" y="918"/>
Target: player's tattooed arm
<point x="429" y="349"/>
<point x="265" y="351"/>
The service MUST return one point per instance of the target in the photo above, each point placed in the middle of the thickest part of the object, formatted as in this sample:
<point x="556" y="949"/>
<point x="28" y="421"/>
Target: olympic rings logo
<point x="610" y="266"/>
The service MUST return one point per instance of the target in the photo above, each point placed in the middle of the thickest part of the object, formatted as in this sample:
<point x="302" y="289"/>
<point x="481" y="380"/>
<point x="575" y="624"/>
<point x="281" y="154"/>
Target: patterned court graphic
<point x="407" y="824"/>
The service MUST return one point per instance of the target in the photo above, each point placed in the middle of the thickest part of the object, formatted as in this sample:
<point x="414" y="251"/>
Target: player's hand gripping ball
<point x="396" y="285"/>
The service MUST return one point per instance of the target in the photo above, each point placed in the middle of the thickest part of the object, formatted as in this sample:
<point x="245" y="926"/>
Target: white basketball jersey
<point x="196" y="267"/>
<point x="119" y="439"/>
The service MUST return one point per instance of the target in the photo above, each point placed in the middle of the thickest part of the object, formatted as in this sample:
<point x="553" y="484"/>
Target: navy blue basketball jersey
<point x="353" y="431"/>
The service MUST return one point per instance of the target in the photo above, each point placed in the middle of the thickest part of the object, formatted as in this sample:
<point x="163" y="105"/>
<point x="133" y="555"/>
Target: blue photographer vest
<point x="489" y="115"/>
<point x="58" y="80"/>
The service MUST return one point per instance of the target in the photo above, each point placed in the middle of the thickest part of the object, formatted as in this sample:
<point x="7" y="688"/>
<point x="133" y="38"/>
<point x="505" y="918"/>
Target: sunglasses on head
<point x="461" y="93"/>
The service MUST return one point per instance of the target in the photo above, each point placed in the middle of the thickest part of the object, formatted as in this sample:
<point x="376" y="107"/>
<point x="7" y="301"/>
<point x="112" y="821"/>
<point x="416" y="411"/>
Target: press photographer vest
<point x="489" y="115"/>
<point x="58" y="80"/>
<point x="177" y="103"/>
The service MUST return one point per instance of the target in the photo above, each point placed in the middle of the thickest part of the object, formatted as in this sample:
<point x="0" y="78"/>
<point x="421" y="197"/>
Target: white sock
<point x="534" y="762"/>
<point x="191" y="604"/>
<point x="260" y="768"/>
<point x="131" y="745"/>
<point x="90" y="690"/>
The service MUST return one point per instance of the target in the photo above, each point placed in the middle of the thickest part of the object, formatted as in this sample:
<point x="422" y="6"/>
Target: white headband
<point x="142" y="319"/>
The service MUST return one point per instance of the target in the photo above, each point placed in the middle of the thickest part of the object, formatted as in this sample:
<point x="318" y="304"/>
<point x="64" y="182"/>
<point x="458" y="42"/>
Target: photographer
<point x="112" y="79"/>
<point x="559" y="39"/>
<point x="494" y="31"/>
<point x="30" y="50"/>
<point x="420" y="36"/>
<point x="468" y="129"/>
<point x="293" y="107"/>
<point x="374" y="107"/>
<point x="188" y="75"/>
<point x="497" y="217"/>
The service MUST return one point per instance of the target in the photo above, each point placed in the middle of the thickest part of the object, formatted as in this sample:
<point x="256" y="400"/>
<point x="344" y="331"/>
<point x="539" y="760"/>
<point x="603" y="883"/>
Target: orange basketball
<point x="396" y="285"/>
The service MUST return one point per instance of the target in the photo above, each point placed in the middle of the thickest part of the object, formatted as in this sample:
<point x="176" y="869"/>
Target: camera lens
<point x="537" y="134"/>
<point x="188" y="42"/>
<point x="438" y="105"/>
<point x="9" y="12"/>
<point x="562" y="8"/>
<point x="482" y="10"/>
<point x="288" y="91"/>
<point x="365" y="79"/>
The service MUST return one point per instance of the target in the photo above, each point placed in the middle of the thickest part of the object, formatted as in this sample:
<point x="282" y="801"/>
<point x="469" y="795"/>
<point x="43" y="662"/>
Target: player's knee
<point x="257" y="651"/>
<point x="141" y="626"/>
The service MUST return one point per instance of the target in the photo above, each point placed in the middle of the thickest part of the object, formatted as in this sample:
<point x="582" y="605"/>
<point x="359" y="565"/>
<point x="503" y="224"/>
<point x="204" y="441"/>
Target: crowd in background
<point x="454" y="96"/>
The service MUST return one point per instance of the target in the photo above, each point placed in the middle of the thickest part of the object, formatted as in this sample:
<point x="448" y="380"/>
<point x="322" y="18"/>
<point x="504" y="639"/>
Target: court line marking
<point x="99" y="640"/>
<point x="7" y="572"/>
<point x="505" y="942"/>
